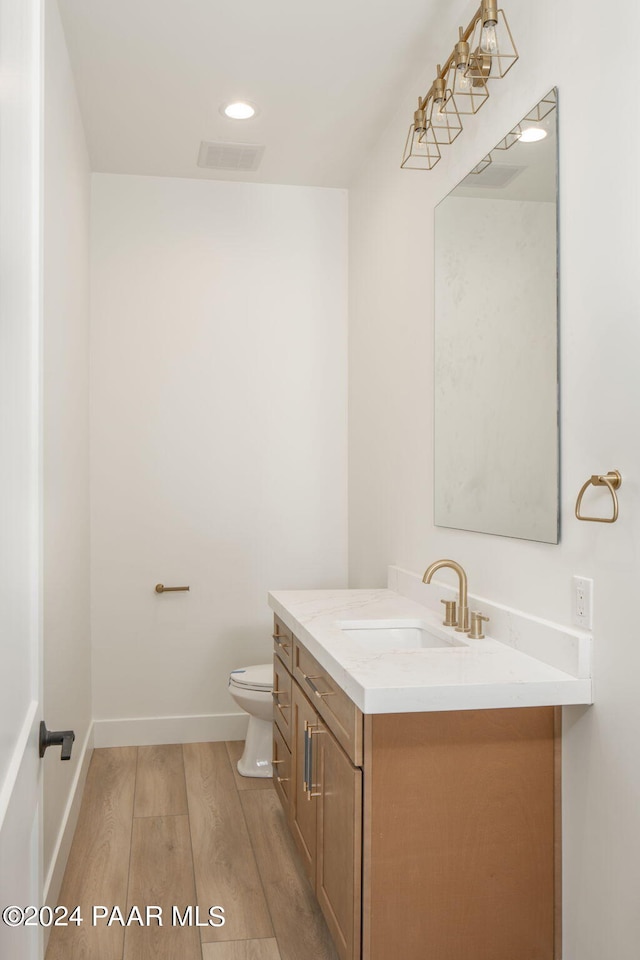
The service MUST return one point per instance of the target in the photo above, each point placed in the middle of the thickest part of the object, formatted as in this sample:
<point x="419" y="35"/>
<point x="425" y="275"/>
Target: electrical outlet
<point x="583" y="602"/>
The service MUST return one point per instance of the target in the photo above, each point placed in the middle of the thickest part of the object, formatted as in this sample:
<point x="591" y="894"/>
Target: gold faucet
<point x="463" y="609"/>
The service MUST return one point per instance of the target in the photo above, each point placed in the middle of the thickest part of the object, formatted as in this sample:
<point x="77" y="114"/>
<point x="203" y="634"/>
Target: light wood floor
<point x="177" y="825"/>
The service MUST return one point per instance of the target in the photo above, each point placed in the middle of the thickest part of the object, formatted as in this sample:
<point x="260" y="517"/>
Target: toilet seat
<point x="258" y="677"/>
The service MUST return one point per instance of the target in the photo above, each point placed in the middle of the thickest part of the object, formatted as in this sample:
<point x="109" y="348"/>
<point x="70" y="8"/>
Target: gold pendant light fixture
<point x="485" y="51"/>
<point x="421" y="151"/>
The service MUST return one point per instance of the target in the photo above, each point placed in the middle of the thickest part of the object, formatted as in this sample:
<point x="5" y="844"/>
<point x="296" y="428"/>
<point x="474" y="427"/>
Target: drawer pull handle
<point x="280" y="641"/>
<point x="306" y="776"/>
<point x="275" y="694"/>
<point x="310" y="732"/>
<point x="282" y="779"/>
<point x="276" y="762"/>
<point x="317" y="692"/>
<point x="280" y="706"/>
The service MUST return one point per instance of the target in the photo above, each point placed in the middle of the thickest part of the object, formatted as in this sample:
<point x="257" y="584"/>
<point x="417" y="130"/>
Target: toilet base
<point x="256" y="756"/>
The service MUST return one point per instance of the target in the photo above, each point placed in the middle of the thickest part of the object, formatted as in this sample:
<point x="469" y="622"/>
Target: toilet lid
<point x="257" y="677"/>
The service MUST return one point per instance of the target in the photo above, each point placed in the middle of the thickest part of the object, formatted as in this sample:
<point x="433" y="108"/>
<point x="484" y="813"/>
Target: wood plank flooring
<point x="225" y="867"/>
<point x="178" y="826"/>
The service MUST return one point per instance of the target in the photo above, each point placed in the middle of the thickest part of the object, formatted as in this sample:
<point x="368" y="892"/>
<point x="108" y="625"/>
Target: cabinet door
<point x="281" y="769"/>
<point x="339" y="853"/>
<point x="282" y="699"/>
<point x="303" y="807"/>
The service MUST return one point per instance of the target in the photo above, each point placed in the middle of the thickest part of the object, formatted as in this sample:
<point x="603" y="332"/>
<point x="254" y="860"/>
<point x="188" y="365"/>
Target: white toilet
<point x="251" y="688"/>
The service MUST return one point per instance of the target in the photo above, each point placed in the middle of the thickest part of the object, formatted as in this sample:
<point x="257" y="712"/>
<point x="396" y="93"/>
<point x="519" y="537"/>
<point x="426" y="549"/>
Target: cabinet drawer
<point x="281" y="769"/>
<point x="334" y="706"/>
<point x="283" y="642"/>
<point x="282" y="699"/>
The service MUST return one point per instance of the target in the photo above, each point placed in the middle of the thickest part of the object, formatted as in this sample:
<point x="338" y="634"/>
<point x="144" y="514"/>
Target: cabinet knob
<point x="450" y="616"/>
<point x="475" y="632"/>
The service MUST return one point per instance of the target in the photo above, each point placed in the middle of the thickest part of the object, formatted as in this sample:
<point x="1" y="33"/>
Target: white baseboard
<point x="147" y="731"/>
<point x="140" y="731"/>
<point x="53" y="879"/>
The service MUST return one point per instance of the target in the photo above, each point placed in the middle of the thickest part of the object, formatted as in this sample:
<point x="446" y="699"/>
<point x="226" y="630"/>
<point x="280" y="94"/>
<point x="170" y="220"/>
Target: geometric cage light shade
<point x="468" y="92"/>
<point x="421" y="150"/>
<point x="484" y="51"/>
<point x="492" y="38"/>
<point x="465" y="81"/>
<point x="534" y="118"/>
<point x="482" y="165"/>
<point x="544" y="108"/>
<point x="509" y="139"/>
<point x="441" y="109"/>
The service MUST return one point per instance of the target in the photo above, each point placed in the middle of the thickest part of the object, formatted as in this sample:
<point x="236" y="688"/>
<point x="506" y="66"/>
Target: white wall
<point x="66" y="623"/>
<point x="218" y="435"/>
<point x="391" y="407"/>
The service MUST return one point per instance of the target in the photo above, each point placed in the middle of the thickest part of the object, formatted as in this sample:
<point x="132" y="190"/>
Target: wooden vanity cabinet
<point x="325" y="815"/>
<point x="459" y="835"/>
<point x="323" y="802"/>
<point x="303" y="809"/>
<point x="339" y="842"/>
<point x="441" y="842"/>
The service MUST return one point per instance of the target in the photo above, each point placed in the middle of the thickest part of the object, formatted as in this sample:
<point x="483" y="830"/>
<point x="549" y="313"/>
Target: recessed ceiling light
<point x="531" y="134"/>
<point x="238" y="110"/>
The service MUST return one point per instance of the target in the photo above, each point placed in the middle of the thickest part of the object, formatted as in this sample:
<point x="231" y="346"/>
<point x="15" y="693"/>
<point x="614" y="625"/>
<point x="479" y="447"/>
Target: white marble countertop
<point x="479" y="674"/>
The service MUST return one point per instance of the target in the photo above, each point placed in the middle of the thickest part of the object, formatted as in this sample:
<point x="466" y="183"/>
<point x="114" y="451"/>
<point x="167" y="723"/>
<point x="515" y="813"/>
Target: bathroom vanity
<point x="421" y="785"/>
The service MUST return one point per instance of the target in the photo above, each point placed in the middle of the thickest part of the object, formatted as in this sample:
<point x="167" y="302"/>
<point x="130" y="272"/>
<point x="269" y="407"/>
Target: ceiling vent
<point x="495" y="176"/>
<point x="243" y="157"/>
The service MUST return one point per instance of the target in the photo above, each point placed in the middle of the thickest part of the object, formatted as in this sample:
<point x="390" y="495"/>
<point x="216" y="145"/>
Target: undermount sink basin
<point x="387" y="636"/>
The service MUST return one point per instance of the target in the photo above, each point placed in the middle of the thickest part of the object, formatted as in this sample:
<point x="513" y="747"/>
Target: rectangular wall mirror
<point x="496" y="339"/>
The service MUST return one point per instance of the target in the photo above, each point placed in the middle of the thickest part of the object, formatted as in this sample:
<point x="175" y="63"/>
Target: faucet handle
<point x="475" y="632"/>
<point x="450" y="616"/>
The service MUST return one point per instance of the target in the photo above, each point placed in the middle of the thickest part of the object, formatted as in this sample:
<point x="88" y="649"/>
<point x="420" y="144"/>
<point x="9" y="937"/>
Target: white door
<point x="20" y="486"/>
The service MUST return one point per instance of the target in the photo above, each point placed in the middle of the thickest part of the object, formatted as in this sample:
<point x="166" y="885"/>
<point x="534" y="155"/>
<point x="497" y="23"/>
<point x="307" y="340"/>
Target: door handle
<point x="56" y="738"/>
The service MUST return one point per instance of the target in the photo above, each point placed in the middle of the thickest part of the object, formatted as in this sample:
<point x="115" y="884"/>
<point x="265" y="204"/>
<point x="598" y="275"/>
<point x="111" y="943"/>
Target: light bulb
<point x="488" y="39"/>
<point x="439" y="111"/>
<point x="464" y="82"/>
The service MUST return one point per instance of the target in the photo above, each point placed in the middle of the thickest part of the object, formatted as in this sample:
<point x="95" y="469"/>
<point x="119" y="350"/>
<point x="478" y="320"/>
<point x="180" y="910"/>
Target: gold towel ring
<point x="612" y="481"/>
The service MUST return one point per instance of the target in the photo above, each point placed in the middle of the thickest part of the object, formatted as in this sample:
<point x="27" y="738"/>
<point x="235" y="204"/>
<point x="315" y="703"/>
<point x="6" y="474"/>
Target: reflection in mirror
<point x="496" y="339"/>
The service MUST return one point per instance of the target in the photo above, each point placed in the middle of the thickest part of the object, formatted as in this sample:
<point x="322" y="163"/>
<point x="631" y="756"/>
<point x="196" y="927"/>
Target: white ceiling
<point x="152" y="74"/>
